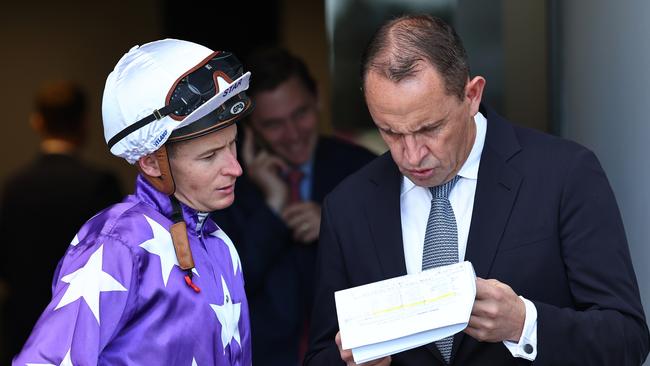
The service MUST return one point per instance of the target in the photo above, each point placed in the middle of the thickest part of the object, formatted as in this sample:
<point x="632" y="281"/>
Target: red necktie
<point x="294" y="177"/>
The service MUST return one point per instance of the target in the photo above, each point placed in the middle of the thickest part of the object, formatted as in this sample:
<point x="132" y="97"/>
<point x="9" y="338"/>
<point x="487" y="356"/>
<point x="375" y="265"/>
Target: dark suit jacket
<point x="43" y="206"/>
<point x="545" y="222"/>
<point x="279" y="272"/>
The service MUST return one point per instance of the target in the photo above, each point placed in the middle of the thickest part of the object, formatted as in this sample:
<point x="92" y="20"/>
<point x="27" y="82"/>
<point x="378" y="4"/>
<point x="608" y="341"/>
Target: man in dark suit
<point x="275" y="220"/>
<point x="45" y="203"/>
<point x="533" y="213"/>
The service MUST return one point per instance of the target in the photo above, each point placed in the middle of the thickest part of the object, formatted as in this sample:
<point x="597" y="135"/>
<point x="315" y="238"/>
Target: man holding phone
<point x="288" y="169"/>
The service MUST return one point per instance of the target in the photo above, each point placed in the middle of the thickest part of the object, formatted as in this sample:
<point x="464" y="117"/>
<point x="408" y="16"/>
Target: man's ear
<point x="149" y="165"/>
<point x="155" y="168"/>
<point x="474" y="92"/>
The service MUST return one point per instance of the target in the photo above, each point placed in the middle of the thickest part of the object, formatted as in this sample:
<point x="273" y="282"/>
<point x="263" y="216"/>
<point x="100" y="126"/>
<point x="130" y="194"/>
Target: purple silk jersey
<point x="119" y="297"/>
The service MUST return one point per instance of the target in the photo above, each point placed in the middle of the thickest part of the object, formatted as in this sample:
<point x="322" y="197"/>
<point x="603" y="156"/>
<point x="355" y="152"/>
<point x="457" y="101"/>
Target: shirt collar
<point x="307" y="167"/>
<point x="469" y="170"/>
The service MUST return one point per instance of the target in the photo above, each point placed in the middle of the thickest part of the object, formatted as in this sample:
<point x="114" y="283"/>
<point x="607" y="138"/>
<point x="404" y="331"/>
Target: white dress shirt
<point x="415" y="204"/>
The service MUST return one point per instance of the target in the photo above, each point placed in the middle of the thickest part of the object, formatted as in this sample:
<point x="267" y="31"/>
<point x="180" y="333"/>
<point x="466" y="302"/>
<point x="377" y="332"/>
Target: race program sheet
<point x="401" y="313"/>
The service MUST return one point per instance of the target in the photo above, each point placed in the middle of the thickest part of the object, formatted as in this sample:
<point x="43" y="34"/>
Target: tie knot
<point x="442" y="191"/>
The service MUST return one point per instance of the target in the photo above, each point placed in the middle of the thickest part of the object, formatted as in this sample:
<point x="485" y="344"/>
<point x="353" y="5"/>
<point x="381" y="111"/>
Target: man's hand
<point x="264" y="170"/>
<point x="346" y="356"/>
<point x="303" y="218"/>
<point x="498" y="313"/>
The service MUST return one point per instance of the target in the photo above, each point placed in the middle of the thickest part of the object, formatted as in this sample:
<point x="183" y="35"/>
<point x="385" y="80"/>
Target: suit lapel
<point x="383" y="211"/>
<point x="496" y="191"/>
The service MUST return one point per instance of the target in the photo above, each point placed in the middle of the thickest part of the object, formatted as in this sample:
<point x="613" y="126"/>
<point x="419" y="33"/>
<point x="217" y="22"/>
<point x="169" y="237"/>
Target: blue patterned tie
<point x="441" y="242"/>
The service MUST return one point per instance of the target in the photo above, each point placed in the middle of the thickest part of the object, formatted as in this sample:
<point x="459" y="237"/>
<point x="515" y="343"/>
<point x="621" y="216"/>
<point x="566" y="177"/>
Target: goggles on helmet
<point x="200" y="84"/>
<point x="195" y="88"/>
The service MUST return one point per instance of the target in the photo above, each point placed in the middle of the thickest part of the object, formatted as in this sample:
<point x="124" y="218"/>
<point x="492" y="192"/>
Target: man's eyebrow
<point x="216" y="148"/>
<point x="426" y="126"/>
<point x="429" y="125"/>
<point x="434" y="124"/>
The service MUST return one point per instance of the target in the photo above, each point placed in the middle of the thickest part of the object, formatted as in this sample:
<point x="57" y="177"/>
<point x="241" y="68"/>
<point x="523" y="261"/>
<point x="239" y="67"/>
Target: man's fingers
<point x="301" y="211"/>
<point x="497" y="314"/>
<point x="487" y="308"/>
<point x="473" y="332"/>
<point x="482" y="329"/>
<point x="303" y="219"/>
<point x="296" y="218"/>
<point x="385" y="361"/>
<point x="307" y="234"/>
<point x="305" y="227"/>
<point x="490" y="289"/>
<point x="346" y="356"/>
<point x="296" y="208"/>
<point x="273" y="162"/>
<point x="482" y="288"/>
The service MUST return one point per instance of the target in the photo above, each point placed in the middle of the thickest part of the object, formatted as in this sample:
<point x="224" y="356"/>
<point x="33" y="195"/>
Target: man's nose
<point x="232" y="167"/>
<point x="290" y="130"/>
<point x="413" y="150"/>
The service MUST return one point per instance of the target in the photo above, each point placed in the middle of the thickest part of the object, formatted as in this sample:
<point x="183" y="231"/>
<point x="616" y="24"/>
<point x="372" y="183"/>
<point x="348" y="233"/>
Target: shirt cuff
<point x="527" y="346"/>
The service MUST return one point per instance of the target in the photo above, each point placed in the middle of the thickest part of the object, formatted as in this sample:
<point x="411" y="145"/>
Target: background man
<point x="288" y="169"/>
<point x="45" y="203"/>
<point x="533" y="213"/>
<point x="153" y="280"/>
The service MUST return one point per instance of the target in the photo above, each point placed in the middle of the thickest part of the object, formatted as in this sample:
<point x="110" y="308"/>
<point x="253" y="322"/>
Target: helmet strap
<point x="165" y="182"/>
<point x="178" y="231"/>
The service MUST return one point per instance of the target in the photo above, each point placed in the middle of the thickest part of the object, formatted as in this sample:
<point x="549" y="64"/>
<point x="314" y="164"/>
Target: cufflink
<point x="528" y="348"/>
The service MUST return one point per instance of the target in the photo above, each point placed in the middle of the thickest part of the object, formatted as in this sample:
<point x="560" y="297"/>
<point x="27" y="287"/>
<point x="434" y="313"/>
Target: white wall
<point x="604" y="96"/>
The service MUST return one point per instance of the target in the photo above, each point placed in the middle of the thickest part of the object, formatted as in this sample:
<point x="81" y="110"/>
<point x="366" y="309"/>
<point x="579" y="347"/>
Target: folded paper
<point x="401" y="313"/>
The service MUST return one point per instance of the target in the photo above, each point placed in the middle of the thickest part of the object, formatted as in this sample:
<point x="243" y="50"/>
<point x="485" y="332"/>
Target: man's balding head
<point x="401" y="47"/>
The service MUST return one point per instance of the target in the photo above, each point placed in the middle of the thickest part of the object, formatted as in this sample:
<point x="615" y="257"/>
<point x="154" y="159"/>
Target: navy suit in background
<point x="278" y="271"/>
<point x="545" y="222"/>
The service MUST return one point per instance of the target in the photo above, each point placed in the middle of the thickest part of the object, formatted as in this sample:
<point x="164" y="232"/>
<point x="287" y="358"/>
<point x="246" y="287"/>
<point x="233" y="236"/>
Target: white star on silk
<point x="87" y="282"/>
<point x="161" y="245"/>
<point x="75" y="241"/>
<point x="67" y="361"/>
<point x="234" y="256"/>
<point x="194" y="362"/>
<point x="228" y="315"/>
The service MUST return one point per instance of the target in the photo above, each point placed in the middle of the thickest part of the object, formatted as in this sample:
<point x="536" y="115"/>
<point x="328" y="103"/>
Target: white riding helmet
<point x="170" y="90"/>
